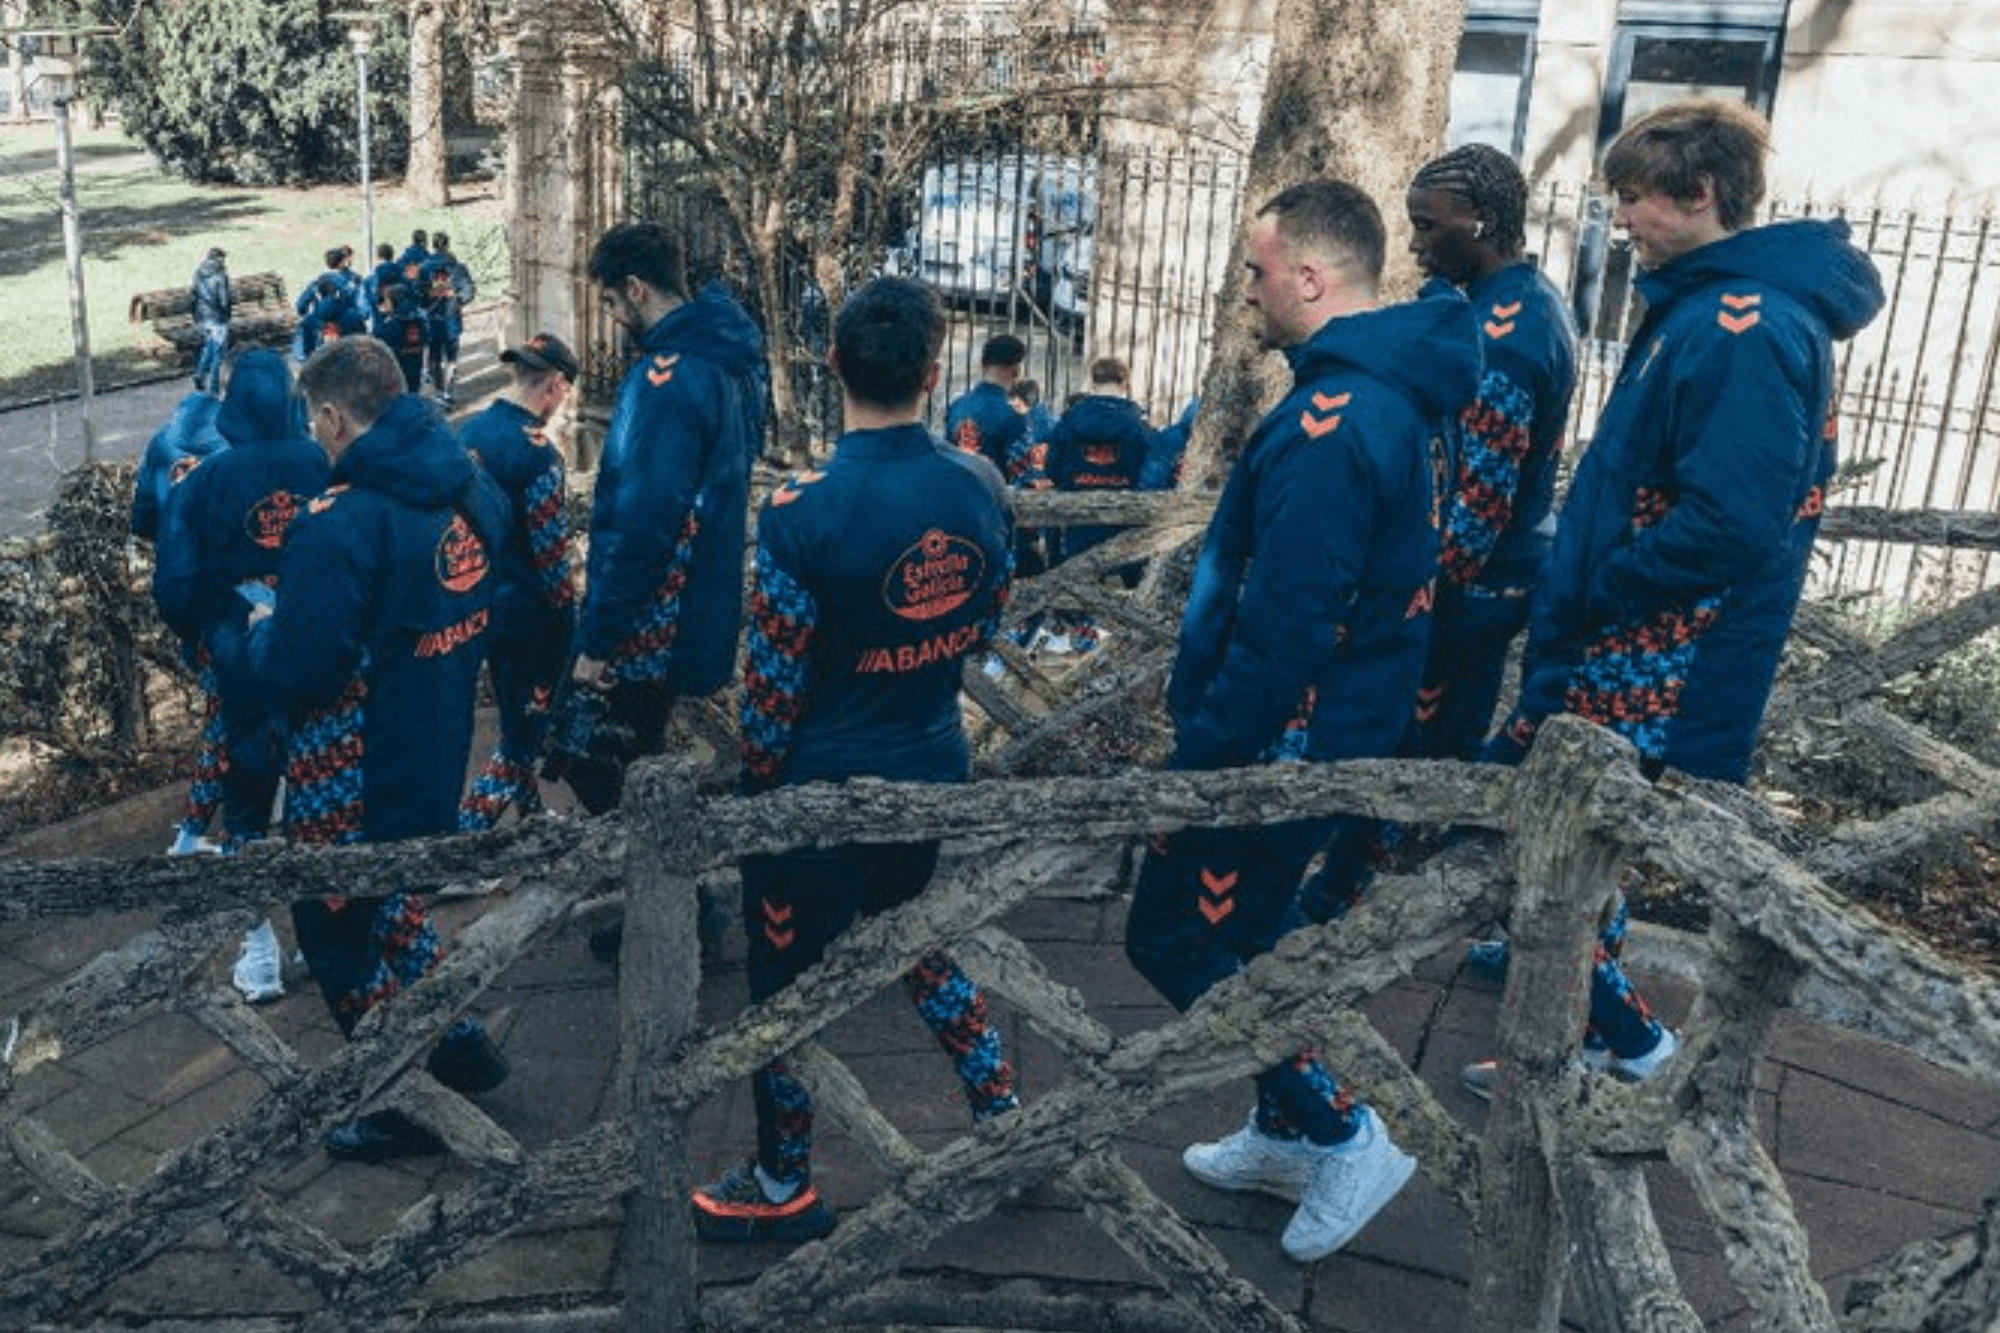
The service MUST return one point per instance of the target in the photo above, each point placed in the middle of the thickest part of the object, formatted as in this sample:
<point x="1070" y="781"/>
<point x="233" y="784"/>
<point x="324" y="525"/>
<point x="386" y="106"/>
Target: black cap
<point x="544" y="351"/>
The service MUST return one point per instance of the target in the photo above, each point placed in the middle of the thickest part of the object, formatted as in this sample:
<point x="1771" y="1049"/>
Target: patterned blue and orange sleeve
<point x="547" y="509"/>
<point x="1494" y="435"/>
<point x="781" y="622"/>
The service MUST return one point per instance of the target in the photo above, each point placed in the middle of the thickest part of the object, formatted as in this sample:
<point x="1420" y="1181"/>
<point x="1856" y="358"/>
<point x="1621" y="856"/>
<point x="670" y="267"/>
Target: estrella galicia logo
<point x="461" y="557"/>
<point x="935" y="577"/>
<point x="265" y="522"/>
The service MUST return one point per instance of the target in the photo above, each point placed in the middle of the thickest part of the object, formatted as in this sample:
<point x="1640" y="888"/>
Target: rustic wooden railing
<point x="1552" y="1186"/>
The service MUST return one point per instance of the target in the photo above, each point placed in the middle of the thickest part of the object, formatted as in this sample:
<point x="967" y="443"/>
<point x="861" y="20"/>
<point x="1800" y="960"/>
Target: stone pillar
<point x="564" y="187"/>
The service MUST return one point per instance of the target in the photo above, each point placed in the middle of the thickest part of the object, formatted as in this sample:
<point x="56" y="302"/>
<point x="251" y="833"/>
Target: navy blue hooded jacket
<point x="1307" y="622"/>
<point x="385" y="590"/>
<point x="535" y="597"/>
<point x="1509" y="441"/>
<point x="664" y="589"/>
<point x="1682" y="550"/>
<point x="189" y="434"/>
<point x="226" y="519"/>
<point x="982" y="420"/>
<point x="1100" y="444"/>
<point x="878" y="576"/>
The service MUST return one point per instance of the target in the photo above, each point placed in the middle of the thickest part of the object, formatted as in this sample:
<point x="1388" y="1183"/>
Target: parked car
<point x="992" y="230"/>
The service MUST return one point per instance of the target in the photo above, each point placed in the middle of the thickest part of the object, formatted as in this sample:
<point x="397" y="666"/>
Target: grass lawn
<point x="144" y="230"/>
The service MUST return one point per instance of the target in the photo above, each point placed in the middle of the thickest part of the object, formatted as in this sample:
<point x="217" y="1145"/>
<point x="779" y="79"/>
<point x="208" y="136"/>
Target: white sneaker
<point x="1351" y="1182"/>
<point x="1633" y="1069"/>
<point x="995" y="666"/>
<point x="1251" y="1160"/>
<point x="189" y="843"/>
<point x="259" y="973"/>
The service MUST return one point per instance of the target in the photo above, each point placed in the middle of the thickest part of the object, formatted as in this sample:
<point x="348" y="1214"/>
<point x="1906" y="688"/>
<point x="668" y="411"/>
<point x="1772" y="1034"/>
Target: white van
<point x="998" y="228"/>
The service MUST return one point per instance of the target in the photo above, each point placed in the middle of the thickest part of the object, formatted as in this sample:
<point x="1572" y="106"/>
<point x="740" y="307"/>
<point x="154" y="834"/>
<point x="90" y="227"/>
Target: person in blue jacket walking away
<point x="1669" y="591"/>
<point x="1304" y="639"/>
<point x="209" y="299"/>
<point x="663" y="595"/>
<point x="184" y="439"/>
<point x="878" y="576"/>
<point x="371" y="650"/>
<point x="225" y="525"/>
<point x="536" y="606"/>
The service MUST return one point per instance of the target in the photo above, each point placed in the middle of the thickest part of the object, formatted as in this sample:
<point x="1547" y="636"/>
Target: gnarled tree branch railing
<point x="1555" y="1147"/>
<point x="1552" y="1186"/>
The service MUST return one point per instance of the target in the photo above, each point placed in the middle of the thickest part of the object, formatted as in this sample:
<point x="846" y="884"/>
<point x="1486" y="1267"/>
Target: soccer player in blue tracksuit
<point x="187" y="436"/>
<point x="536" y="606"/>
<point x="225" y="524"/>
<point x="1304" y="639"/>
<point x="1468" y="221"/>
<point x="663" y="596"/>
<point x="1099" y="444"/>
<point x="1669" y="592"/>
<point x="879" y="574"/>
<point x="445" y="287"/>
<point x="984" y="420"/>
<point x="385" y="591"/>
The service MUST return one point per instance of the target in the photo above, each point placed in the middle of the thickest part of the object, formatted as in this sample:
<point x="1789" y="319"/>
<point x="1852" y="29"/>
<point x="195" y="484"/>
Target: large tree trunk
<point x="427" y="179"/>
<point x="1357" y="89"/>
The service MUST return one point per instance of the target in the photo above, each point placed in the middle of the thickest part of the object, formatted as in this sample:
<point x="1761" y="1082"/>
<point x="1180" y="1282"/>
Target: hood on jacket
<point x="1810" y="260"/>
<point x="260" y="404"/>
<point x="1429" y="348"/>
<point x="713" y="326"/>
<point x="1102" y="411"/>
<point x="411" y="454"/>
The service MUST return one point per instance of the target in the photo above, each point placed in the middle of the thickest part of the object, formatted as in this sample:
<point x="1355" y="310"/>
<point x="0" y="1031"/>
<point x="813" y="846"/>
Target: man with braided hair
<point x="1467" y="212"/>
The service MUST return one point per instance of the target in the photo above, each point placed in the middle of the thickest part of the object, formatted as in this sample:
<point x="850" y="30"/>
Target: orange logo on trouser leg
<point x="1217" y="898"/>
<point x="778" y="924"/>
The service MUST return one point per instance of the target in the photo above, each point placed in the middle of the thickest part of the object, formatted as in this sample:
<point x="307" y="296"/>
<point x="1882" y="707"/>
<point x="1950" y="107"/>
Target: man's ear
<point x="1313" y="281"/>
<point x="1703" y="198"/>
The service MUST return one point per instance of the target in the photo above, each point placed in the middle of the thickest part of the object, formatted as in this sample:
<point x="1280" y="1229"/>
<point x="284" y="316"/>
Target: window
<point x="1489" y="85"/>
<point x="1665" y="51"/>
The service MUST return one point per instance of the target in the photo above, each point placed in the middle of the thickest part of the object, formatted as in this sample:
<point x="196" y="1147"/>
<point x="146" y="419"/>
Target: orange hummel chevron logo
<point x="662" y="369"/>
<point x="1747" y="302"/>
<point x="1316" y="427"/>
<point x="1217" y="895"/>
<point x="1428" y="699"/>
<point x="1502" y="322"/>
<point x="1326" y="403"/>
<point x="1508" y="311"/>
<point x="777" y="925"/>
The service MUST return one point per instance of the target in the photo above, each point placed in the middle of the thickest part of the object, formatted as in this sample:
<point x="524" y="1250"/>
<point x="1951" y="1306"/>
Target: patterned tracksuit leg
<point x="797" y="904"/>
<point x="211" y="759"/>
<point x="364" y="950"/>
<point x="1207" y="902"/>
<point x="524" y="674"/>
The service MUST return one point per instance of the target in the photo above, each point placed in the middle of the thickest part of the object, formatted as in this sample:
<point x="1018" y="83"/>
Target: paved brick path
<point x="1878" y="1148"/>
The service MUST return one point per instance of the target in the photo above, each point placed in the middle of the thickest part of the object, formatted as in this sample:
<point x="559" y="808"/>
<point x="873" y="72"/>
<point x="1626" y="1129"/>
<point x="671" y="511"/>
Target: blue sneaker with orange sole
<point x="736" y="1209"/>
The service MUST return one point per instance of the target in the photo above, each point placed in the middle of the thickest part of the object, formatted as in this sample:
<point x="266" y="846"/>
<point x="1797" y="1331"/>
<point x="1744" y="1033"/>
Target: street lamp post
<point x="360" y="35"/>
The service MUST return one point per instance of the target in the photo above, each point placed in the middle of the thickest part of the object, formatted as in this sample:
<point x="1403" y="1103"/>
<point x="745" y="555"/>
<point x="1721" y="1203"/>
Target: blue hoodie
<point x="664" y="590"/>
<point x="226" y="518"/>
<point x="1307" y="622"/>
<point x="1100" y="444"/>
<point x="385" y="593"/>
<point x="1670" y="589"/>
<point x="186" y="436"/>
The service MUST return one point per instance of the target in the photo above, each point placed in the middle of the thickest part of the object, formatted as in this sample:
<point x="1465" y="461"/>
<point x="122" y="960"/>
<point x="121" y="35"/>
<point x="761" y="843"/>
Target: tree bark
<point x="427" y="176"/>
